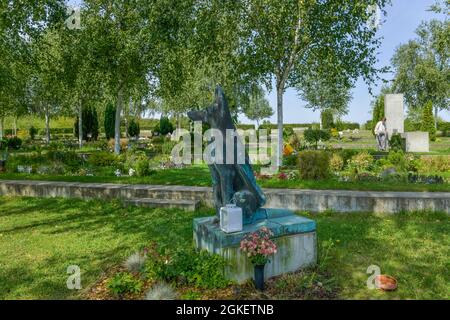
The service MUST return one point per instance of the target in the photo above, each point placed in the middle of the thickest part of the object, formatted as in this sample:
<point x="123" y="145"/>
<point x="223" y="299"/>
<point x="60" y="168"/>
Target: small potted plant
<point x="259" y="248"/>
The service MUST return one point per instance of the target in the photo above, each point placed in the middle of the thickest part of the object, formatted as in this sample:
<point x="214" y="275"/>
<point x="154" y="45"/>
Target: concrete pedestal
<point x="294" y="236"/>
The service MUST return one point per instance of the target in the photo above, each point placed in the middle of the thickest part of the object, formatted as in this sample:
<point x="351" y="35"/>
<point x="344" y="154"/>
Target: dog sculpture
<point x="232" y="183"/>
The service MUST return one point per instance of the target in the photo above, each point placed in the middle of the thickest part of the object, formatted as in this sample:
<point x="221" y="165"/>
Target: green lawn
<point x="40" y="238"/>
<point x="200" y="176"/>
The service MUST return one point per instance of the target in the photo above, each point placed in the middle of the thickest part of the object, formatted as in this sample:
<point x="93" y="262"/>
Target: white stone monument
<point x="393" y="111"/>
<point x="417" y="141"/>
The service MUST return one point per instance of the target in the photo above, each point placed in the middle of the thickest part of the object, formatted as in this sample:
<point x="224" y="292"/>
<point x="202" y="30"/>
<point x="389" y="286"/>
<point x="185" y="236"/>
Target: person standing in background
<point x="381" y="135"/>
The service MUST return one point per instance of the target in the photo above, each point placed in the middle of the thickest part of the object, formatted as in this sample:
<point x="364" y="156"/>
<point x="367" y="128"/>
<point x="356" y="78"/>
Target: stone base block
<point x="294" y="236"/>
<point x="417" y="141"/>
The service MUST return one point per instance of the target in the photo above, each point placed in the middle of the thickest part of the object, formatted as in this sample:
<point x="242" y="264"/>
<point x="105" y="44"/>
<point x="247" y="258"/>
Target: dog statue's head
<point x="216" y="115"/>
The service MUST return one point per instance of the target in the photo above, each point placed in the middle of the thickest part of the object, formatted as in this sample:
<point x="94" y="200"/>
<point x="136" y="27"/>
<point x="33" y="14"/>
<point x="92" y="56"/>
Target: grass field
<point x="40" y="238"/>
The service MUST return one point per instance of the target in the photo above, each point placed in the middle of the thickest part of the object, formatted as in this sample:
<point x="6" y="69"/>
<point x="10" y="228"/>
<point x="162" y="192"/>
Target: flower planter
<point x="259" y="277"/>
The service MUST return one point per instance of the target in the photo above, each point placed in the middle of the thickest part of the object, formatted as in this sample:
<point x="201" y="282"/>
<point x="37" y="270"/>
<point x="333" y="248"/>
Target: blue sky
<point x="400" y="23"/>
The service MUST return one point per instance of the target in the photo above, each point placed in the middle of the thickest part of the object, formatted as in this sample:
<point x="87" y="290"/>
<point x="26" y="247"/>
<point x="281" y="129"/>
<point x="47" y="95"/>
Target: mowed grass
<point x="40" y="238"/>
<point x="412" y="247"/>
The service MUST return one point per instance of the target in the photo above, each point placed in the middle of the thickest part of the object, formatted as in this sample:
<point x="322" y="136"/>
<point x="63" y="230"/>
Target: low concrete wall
<point x="298" y="200"/>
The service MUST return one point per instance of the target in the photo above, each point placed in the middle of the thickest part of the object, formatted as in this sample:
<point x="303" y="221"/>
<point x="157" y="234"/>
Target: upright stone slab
<point x="393" y="111"/>
<point x="294" y="236"/>
<point x="417" y="141"/>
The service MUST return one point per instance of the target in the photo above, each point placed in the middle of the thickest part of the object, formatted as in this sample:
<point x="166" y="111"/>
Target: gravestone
<point x="417" y="141"/>
<point x="393" y="111"/>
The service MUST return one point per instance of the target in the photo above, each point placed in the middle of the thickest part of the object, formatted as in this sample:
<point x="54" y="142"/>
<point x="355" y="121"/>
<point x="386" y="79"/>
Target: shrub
<point x="68" y="158"/>
<point x="431" y="164"/>
<point x="133" y="129"/>
<point x="135" y="263"/>
<point x="290" y="160"/>
<point x="428" y="120"/>
<point x="32" y="132"/>
<point x="347" y="154"/>
<point x="397" y="143"/>
<point x="102" y="159"/>
<point x="165" y="126"/>
<point x="199" y="269"/>
<point x="326" y="118"/>
<point x="167" y="147"/>
<point x="361" y="162"/>
<point x="445" y="128"/>
<point x="314" y="165"/>
<point x="89" y="124"/>
<point x="288" y="132"/>
<point x="313" y="136"/>
<point x="123" y="283"/>
<point x="336" y="163"/>
<point x="397" y="158"/>
<point x="110" y="120"/>
<point x="14" y="143"/>
<point x="161" y="291"/>
<point x="340" y="126"/>
<point x="143" y="168"/>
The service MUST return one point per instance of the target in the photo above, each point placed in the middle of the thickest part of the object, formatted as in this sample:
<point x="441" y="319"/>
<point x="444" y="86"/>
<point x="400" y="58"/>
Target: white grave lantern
<point x="231" y="218"/>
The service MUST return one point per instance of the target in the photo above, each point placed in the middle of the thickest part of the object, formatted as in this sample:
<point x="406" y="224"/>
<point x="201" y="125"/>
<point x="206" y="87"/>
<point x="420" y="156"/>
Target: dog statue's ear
<point x="220" y="99"/>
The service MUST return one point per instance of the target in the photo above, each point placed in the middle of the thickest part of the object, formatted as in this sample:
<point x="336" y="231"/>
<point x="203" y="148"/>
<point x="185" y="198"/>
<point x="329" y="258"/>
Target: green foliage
<point x="199" y="269"/>
<point x="397" y="143"/>
<point x="314" y="165"/>
<point x="133" y="128"/>
<point x="165" y="126"/>
<point x="361" y="162"/>
<point x="421" y="67"/>
<point x="102" y="159"/>
<point x="109" y="123"/>
<point x="313" y="136"/>
<point x="336" y="163"/>
<point x="14" y="143"/>
<point x="428" y="120"/>
<point x="341" y="125"/>
<point x="327" y="120"/>
<point x="434" y="164"/>
<point x="398" y="159"/>
<point x="445" y="128"/>
<point x="89" y="124"/>
<point x="257" y="107"/>
<point x="377" y="110"/>
<point x="290" y="160"/>
<point x="123" y="283"/>
<point x="142" y="166"/>
<point x="32" y="132"/>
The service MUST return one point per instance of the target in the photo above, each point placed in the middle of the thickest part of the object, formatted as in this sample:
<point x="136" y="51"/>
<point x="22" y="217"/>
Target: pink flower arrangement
<point x="259" y="246"/>
<point x="282" y="176"/>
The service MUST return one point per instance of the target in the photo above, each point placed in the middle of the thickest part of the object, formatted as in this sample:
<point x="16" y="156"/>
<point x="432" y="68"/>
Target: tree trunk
<point x="80" y="124"/>
<point x="280" y="92"/>
<point x="2" y="122"/>
<point x="436" y="111"/>
<point x="47" y="125"/>
<point x="127" y="113"/>
<point x="117" y="121"/>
